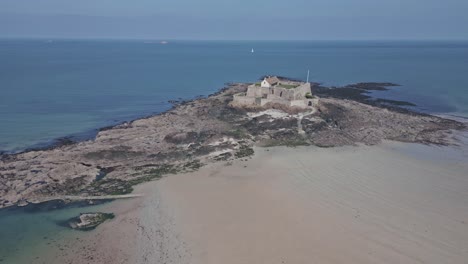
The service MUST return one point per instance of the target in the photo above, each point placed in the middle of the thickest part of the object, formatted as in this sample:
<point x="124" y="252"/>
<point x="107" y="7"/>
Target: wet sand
<point x="391" y="203"/>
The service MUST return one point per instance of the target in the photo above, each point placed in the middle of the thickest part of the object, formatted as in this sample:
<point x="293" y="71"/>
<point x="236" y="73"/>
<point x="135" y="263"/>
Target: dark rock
<point x="87" y="221"/>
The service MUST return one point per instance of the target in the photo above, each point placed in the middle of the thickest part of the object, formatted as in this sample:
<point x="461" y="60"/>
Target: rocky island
<point x="88" y="221"/>
<point x="213" y="129"/>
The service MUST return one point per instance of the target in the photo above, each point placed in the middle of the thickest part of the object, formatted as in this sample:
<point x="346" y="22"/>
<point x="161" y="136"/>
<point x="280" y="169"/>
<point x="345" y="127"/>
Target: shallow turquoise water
<point x="26" y="237"/>
<point x="61" y="88"/>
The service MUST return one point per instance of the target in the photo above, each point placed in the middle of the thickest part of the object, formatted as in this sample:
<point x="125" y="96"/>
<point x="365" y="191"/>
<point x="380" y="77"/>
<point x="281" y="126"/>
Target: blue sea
<point x="57" y="88"/>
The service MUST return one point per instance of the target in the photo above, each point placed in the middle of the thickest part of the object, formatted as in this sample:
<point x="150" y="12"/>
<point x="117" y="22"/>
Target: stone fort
<point x="273" y="90"/>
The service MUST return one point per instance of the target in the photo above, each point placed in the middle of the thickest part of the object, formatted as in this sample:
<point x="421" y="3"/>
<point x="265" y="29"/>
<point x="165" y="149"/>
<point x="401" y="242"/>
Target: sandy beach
<point x="391" y="203"/>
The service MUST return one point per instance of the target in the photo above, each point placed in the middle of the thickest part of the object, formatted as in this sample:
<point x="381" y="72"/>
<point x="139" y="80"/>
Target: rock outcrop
<point x="88" y="221"/>
<point x="206" y="130"/>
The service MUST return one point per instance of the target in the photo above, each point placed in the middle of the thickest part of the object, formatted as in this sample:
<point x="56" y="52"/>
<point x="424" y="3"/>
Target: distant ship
<point x="252" y="50"/>
<point x="164" y="42"/>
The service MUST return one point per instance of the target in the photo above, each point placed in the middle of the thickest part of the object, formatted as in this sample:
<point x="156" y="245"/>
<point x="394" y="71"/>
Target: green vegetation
<point x="258" y="84"/>
<point x="309" y="96"/>
<point x="192" y="165"/>
<point x="223" y="156"/>
<point x="296" y="143"/>
<point x="239" y="133"/>
<point x="292" y="143"/>
<point x="155" y="173"/>
<point x="143" y="174"/>
<point x="110" y="186"/>
<point x="113" y="154"/>
<point x="244" y="151"/>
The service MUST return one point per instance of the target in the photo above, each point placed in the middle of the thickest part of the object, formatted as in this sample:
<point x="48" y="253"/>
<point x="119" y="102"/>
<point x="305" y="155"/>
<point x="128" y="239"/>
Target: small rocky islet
<point x="87" y="221"/>
<point x="211" y="129"/>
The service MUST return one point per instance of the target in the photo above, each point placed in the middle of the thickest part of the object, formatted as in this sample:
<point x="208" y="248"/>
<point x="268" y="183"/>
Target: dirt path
<point x="299" y="121"/>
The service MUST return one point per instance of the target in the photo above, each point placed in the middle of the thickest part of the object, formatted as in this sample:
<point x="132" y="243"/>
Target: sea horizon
<point x="237" y="39"/>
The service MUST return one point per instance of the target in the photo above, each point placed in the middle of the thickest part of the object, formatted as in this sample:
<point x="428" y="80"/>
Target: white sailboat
<point x="252" y="50"/>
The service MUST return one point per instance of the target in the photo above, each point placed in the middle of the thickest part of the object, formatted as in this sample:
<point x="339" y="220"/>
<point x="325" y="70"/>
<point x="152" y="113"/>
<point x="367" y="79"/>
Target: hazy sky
<point x="223" y="19"/>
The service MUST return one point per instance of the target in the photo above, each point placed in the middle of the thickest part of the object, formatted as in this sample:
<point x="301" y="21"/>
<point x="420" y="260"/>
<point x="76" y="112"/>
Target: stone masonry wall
<point x="242" y="100"/>
<point x="257" y="95"/>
